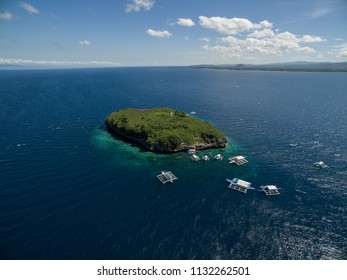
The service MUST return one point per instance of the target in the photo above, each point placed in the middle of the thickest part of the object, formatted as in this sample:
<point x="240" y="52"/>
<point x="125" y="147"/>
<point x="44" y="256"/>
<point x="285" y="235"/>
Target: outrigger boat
<point x="166" y="176"/>
<point x="239" y="185"/>
<point x="218" y="157"/>
<point x="320" y="164"/>
<point x="194" y="158"/>
<point x="205" y="158"/>
<point x="270" y="190"/>
<point x="192" y="151"/>
<point x="239" y="160"/>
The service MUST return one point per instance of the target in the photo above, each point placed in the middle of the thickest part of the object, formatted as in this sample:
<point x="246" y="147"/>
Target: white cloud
<point x="263" y="24"/>
<point x="225" y="51"/>
<point x="205" y="39"/>
<point x="161" y="34"/>
<point x="137" y="5"/>
<point x="311" y="39"/>
<point x="84" y="43"/>
<point x="6" y="16"/>
<point x="187" y="22"/>
<point x="339" y="51"/>
<point x="30" y="62"/>
<point x="319" y="12"/>
<point x="232" y="26"/>
<point x="262" y="33"/>
<point x="29" y="8"/>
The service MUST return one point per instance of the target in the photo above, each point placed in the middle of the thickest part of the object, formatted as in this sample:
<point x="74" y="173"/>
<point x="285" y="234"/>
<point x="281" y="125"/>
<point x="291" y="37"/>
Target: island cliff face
<point x="164" y="130"/>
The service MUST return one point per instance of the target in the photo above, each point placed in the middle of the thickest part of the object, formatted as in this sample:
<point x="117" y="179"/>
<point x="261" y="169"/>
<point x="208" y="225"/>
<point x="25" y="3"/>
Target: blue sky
<point x="170" y="32"/>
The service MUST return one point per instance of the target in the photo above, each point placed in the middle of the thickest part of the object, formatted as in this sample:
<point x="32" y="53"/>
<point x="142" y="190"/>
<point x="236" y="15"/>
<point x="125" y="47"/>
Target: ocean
<point x="70" y="190"/>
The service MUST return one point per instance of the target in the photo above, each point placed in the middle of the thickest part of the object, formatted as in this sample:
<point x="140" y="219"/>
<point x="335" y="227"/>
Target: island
<point x="164" y="130"/>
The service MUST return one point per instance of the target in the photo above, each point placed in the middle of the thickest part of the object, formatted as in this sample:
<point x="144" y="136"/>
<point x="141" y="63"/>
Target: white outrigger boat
<point x="194" y="158"/>
<point x="239" y="185"/>
<point x="320" y="164"/>
<point x="270" y="190"/>
<point x="239" y="160"/>
<point x="166" y="176"/>
<point x="205" y="158"/>
<point x="218" y="157"/>
<point x="192" y="151"/>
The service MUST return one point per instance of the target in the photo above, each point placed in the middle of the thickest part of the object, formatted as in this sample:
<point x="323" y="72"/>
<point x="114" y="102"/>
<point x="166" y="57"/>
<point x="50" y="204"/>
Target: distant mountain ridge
<point x="304" y="66"/>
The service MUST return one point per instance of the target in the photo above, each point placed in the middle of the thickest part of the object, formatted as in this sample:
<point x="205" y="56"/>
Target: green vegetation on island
<point x="165" y="130"/>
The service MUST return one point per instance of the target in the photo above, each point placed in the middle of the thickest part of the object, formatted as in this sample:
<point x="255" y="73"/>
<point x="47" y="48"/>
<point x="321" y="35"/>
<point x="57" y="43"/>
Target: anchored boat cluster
<point x="243" y="186"/>
<point x="235" y="184"/>
<point x="238" y="160"/>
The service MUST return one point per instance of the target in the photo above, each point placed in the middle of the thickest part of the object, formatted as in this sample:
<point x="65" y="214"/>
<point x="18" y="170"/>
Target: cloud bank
<point x="160" y="34"/>
<point x="137" y="5"/>
<point x="29" y="8"/>
<point x="340" y="51"/>
<point x="245" y="39"/>
<point x="30" y="62"/>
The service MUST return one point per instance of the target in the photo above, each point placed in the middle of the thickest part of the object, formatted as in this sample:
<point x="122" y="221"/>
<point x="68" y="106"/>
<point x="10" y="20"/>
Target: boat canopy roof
<point x="271" y="187"/>
<point x="239" y="157"/>
<point x="243" y="183"/>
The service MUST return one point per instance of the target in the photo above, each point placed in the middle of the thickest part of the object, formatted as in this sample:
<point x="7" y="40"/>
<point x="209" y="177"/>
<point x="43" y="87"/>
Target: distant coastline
<point x="300" y="66"/>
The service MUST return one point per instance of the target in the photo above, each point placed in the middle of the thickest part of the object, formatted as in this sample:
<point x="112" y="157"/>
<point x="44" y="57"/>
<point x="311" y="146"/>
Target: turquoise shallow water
<point x="70" y="190"/>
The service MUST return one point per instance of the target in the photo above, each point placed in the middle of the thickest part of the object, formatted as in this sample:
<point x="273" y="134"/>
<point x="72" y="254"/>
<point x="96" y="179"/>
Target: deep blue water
<point x="69" y="190"/>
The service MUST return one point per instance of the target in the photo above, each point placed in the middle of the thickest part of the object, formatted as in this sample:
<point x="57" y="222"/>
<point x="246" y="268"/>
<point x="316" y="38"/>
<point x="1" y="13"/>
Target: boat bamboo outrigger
<point x="166" y="176"/>
<point x="239" y="185"/>
<point x="270" y="190"/>
<point x="239" y="160"/>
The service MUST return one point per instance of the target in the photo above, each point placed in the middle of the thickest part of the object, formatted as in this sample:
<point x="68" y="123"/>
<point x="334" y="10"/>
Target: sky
<point x="92" y="33"/>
